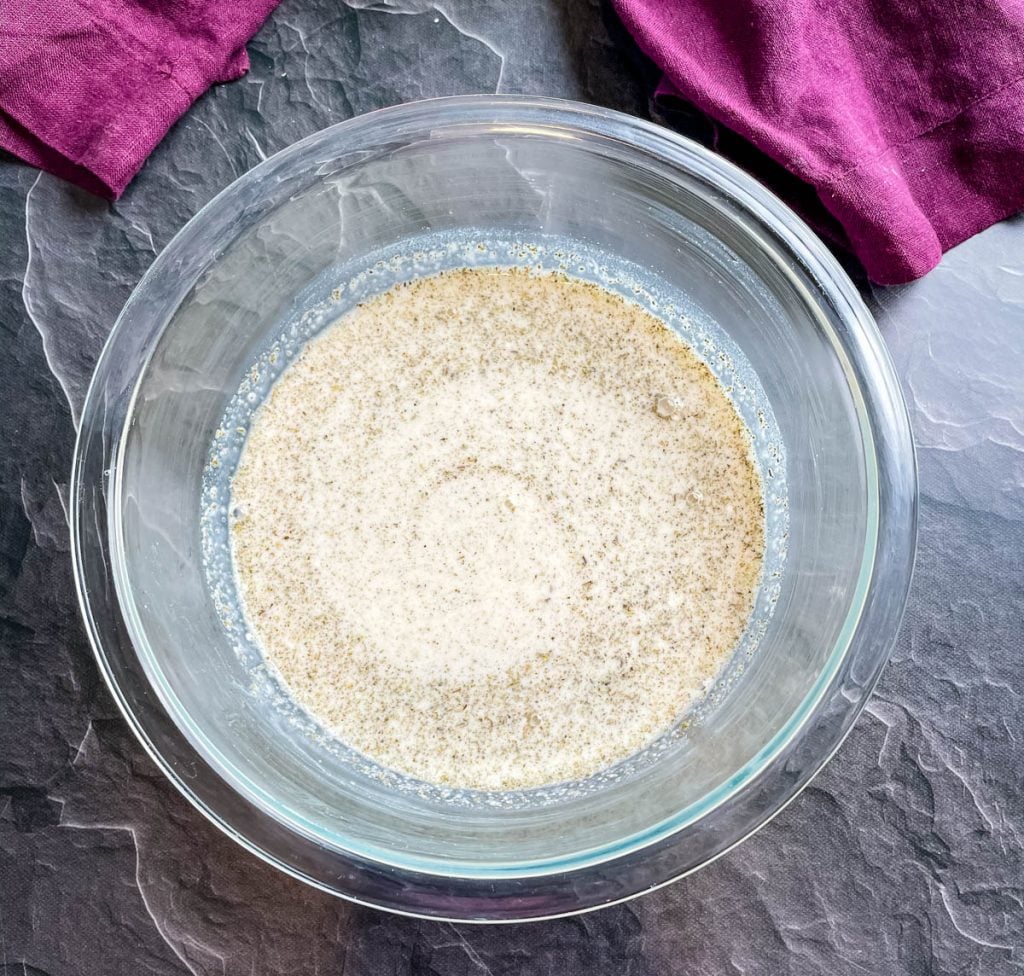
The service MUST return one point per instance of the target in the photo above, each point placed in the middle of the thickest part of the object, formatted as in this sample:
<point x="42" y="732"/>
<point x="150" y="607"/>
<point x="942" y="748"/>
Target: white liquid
<point x="497" y="529"/>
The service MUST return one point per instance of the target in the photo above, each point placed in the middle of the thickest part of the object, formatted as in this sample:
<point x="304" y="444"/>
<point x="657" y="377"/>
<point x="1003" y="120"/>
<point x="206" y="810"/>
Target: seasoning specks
<point x="497" y="529"/>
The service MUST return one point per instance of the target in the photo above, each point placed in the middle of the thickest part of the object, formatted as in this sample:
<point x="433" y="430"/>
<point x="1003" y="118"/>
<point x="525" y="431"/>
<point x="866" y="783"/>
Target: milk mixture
<point x="497" y="529"/>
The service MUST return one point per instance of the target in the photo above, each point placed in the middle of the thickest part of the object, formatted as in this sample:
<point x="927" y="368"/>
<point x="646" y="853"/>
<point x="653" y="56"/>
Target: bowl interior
<point x="278" y="254"/>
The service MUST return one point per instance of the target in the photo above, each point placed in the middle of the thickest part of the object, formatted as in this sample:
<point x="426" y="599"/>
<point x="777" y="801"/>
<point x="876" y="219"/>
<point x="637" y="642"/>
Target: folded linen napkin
<point x="89" y="87"/>
<point x="905" y="120"/>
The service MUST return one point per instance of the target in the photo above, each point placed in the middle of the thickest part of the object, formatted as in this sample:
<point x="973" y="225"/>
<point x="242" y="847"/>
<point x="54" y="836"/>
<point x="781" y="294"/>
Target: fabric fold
<point x="906" y="121"/>
<point x="89" y="87"/>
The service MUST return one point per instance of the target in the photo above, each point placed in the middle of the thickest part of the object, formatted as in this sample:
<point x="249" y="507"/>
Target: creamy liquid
<point x="497" y="529"/>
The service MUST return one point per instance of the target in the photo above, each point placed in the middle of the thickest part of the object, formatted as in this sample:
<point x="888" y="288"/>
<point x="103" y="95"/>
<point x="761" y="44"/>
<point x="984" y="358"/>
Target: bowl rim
<point x="889" y="456"/>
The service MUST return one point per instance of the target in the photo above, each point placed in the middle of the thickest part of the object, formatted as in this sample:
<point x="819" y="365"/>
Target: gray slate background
<point x="904" y="856"/>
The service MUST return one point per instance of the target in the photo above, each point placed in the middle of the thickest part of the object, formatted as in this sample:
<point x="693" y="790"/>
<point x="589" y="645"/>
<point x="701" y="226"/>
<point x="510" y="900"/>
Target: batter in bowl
<point x="497" y="529"/>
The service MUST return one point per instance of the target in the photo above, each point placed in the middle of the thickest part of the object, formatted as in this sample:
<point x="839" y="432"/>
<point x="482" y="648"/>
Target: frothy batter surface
<point x="497" y="529"/>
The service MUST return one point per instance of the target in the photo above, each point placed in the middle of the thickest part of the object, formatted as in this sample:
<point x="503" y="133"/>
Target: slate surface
<point x="904" y="856"/>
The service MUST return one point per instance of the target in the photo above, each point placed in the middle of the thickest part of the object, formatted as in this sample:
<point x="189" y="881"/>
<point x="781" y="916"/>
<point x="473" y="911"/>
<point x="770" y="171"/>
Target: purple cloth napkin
<point x="905" y="119"/>
<point x="89" y="87"/>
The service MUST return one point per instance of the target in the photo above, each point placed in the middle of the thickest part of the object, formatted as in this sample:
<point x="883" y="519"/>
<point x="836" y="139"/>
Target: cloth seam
<point x="30" y="130"/>
<point x="75" y="158"/>
<point x="924" y="133"/>
<point x="12" y="120"/>
<point x="107" y="30"/>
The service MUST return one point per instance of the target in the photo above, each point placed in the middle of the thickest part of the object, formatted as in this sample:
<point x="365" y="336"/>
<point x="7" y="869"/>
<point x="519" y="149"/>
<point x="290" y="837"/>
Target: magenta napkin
<point x="906" y="119"/>
<point x="89" y="87"/>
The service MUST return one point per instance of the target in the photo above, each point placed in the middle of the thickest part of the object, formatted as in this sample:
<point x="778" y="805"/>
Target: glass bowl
<point x="272" y="246"/>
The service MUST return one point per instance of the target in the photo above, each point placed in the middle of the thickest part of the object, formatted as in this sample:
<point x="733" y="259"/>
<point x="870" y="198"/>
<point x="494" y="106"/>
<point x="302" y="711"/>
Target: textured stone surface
<point x="905" y="855"/>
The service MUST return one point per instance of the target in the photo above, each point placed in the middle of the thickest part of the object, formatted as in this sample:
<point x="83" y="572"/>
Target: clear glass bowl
<point x="503" y="165"/>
